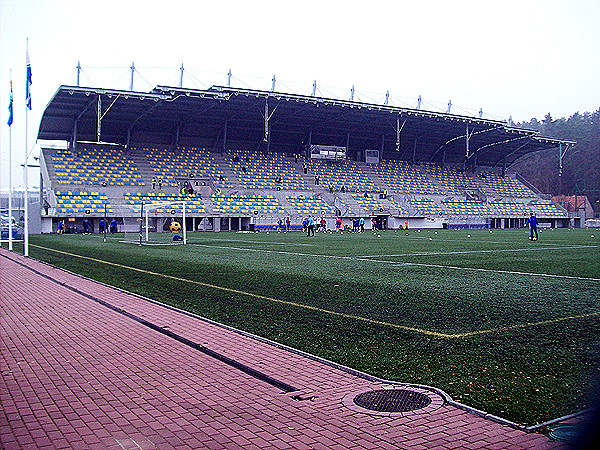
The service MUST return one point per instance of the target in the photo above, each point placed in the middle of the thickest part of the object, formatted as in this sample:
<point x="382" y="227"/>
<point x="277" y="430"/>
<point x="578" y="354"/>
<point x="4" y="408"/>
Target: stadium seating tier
<point x="258" y="171"/>
<point x="81" y="203"/>
<point x="93" y="166"/>
<point x="309" y="205"/>
<point x="169" y="165"/>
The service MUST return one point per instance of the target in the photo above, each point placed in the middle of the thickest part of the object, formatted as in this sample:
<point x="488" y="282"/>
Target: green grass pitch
<point x="499" y="322"/>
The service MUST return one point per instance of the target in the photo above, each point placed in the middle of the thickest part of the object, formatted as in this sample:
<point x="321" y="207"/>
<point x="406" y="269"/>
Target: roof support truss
<point x="516" y="150"/>
<point x="99" y="122"/>
<point x="468" y="135"/>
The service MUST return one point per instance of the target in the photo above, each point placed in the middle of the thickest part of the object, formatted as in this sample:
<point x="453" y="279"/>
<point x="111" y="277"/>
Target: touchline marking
<point x="326" y="311"/>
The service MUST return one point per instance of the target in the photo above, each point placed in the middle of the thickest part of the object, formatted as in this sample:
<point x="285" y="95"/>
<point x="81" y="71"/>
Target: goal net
<point x="158" y="223"/>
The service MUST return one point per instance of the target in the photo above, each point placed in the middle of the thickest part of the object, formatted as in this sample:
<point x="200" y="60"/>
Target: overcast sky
<point x="511" y="58"/>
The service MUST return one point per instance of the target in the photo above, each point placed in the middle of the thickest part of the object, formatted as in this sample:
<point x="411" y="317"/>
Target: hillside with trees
<point x="581" y="164"/>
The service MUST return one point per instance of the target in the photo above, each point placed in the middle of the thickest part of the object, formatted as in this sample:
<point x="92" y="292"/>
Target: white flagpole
<point x="10" y="227"/>
<point x="26" y="206"/>
<point x="26" y="168"/>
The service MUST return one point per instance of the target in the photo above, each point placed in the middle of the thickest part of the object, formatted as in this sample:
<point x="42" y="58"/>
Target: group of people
<point x="280" y="224"/>
<point x="310" y="225"/>
<point x="62" y="227"/>
<point x="331" y="188"/>
<point x="156" y="180"/>
<point x="103" y="227"/>
<point x="236" y="158"/>
<point x="358" y="225"/>
<point x="187" y="189"/>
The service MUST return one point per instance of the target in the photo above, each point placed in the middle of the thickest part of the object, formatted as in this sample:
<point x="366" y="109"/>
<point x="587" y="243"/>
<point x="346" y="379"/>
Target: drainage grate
<point x="392" y="400"/>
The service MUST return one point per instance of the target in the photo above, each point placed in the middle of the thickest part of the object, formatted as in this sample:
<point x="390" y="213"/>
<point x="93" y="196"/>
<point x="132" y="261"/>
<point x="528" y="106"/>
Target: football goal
<point x="158" y="223"/>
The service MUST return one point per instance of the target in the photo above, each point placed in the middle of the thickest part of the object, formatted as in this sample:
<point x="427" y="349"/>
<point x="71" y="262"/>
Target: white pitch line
<point x="259" y="242"/>
<point x="400" y="263"/>
<point x="487" y="242"/>
<point x="476" y="269"/>
<point x="481" y="251"/>
<point x="280" y="252"/>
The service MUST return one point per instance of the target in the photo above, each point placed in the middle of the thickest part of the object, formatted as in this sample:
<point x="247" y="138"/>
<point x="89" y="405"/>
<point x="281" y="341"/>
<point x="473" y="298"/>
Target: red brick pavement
<point x="78" y="374"/>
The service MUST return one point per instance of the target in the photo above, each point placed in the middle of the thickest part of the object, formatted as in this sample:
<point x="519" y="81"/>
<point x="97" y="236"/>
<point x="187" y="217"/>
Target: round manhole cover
<point x="566" y="433"/>
<point x="392" y="400"/>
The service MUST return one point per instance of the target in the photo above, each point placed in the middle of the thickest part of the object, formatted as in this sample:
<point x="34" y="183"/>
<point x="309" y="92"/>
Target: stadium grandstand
<point x="245" y="159"/>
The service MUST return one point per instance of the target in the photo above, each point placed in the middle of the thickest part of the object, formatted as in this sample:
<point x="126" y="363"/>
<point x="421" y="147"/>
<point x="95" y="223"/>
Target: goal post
<point x="168" y="212"/>
<point x="158" y="223"/>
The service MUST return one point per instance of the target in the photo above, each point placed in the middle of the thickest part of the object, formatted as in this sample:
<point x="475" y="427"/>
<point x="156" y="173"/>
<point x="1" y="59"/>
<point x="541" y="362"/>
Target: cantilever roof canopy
<point x="223" y="117"/>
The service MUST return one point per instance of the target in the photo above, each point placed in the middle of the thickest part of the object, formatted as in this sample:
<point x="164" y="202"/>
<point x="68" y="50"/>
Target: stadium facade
<point x="244" y="159"/>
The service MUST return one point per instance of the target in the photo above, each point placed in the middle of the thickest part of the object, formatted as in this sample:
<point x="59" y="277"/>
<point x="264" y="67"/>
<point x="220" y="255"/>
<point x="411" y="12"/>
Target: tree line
<point x="581" y="163"/>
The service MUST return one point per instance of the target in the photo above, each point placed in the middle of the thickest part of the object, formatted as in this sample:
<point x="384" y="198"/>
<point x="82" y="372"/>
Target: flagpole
<point x="10" y="227"/>
<point x="26" y="205"/>
<point x="26" y="168"/>
<point x="10" y="119"/>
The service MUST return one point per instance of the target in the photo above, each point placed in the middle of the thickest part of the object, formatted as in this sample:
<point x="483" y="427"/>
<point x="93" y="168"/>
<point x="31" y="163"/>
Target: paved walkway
<point x="88" y="366"/>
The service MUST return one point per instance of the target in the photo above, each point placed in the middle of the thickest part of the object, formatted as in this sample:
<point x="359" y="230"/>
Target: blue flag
<point x="10" y="106"/>
<point x="28" y="83"/>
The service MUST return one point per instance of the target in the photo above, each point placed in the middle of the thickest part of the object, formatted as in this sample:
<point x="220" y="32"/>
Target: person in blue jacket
<point x="311" y="226"/>
<point x="532" y="222"/>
